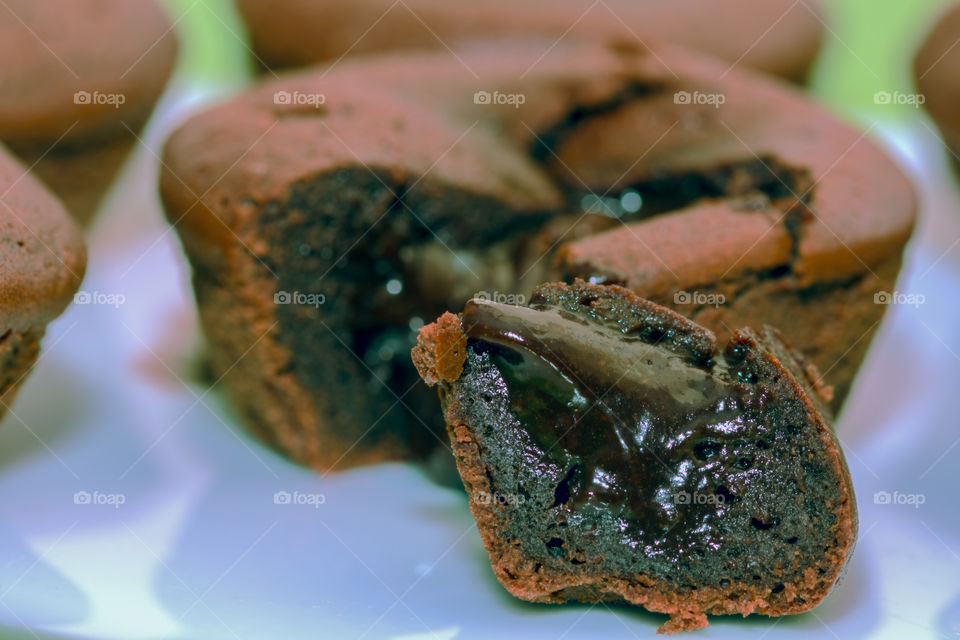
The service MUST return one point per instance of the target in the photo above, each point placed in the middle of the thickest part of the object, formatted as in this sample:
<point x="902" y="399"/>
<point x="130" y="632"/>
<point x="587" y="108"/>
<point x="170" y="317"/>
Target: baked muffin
<point x="936" y="69"/>
<point x="777" y="36"/>
<point x="613" y="450"/>
<point x="42" y="264"/>
<point x="79" y="80"/>
<point x="337" y="210"/>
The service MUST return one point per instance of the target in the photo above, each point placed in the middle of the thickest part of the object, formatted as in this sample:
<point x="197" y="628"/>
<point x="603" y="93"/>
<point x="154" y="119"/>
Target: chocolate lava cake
<point x="79" y="80"/>
<point x="776" y="36"/>
<point x="936" y="69"/>
<point x="615" y="451"/>
<point x="329" y="213"/>
<point x="42" y="260"/>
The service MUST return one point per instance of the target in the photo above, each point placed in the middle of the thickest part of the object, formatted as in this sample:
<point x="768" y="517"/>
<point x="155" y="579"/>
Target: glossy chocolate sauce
<point x="651" y="443"/>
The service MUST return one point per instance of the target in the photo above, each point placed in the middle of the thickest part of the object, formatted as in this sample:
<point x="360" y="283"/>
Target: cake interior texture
<point x="357" y="342"/>
<point x="615" y="452"/>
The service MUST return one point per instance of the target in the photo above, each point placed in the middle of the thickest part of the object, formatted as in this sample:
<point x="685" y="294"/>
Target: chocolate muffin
<point x="42" y="260"/>
<point x="936" y="69"/>
<point x="78" y="80"/>
<point x="777" y="36"/>
<point x="328" y="213"/>
<point x="613" y="450"/>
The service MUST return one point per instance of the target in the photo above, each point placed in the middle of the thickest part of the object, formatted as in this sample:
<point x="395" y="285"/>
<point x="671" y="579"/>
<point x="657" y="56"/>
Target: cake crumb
<point x="441" y="350"/>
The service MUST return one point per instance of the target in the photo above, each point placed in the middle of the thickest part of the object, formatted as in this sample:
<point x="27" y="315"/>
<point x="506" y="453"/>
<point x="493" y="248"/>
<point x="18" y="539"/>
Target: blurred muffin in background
<point x="79" y="79"/>
<point x="936" y="68"/>
<point x="777" y="36"/>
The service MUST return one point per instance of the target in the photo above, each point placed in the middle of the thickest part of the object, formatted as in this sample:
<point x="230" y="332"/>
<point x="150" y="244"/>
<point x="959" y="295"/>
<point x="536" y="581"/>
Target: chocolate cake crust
<point x="612" y="451"/>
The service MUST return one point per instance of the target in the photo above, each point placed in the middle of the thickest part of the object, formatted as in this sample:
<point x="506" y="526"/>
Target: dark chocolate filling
<point x="766" y="177"/>
<point x="634" y="453"/>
